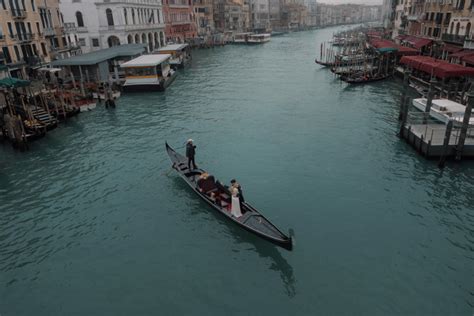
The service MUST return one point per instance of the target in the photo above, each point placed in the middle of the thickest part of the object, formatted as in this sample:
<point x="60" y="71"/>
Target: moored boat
<point x="218" y="196"/>
<point x="444" y="110"/>
<point x="258" y="38"/>
<point x="180" y="55"/>
<point x="148" y="73"/>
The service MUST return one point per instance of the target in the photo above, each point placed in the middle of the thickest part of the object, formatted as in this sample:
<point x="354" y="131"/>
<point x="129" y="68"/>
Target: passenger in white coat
<point x="235" y="208"/>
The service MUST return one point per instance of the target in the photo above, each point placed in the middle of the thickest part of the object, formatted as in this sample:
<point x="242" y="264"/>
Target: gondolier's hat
<point x="189" y="141"/>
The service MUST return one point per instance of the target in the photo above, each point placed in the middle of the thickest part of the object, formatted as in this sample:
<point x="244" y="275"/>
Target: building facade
<point x="180" y="20"/>
<point x="204" y="13"/>
<point x="260" y="15"/>
<point x="231" y="16"/>
<point x="109" y="23"/>
<point x="31" y="33"/>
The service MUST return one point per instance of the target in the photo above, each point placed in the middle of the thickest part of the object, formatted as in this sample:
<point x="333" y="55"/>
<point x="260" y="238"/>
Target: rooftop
<point x="101" y="55"/>
<point x="173" y="47"/>
<point x="146" y="61"/>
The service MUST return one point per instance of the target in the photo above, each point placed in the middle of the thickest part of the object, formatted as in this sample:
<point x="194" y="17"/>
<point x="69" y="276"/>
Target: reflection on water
<point x="263" y="248"/>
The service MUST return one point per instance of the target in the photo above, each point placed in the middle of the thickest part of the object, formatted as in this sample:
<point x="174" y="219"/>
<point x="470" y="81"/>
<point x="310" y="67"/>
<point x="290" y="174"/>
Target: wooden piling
<point x="429" y="100"/>
<point x="447" y="137"/>
<point x="406" y="76"/>
<point x="465" y="124"/>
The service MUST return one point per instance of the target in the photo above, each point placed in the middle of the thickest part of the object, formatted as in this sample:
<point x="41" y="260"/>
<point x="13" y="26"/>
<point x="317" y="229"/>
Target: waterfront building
<point x="293" y="14"/>
<point x="260" y="15"/>
<point x="180" y="20"/>
<point x="461" y="23"/>
<point x="31" y="32"/>
<point x="204" y="13"/>
<point x="110" y="23"/>
<point x="312" y="14"/>
<point x="231" y="15"/>
<point x="274" y="14"/>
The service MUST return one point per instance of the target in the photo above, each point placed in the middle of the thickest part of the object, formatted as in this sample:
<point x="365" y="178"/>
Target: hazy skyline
<point x="352" y="1"/>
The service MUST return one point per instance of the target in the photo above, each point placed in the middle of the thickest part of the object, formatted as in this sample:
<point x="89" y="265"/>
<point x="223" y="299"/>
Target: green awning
<point x="387" y="50"/>
<point x="13" y="83"/>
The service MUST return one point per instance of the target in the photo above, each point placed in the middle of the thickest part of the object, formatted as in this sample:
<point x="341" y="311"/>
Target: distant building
<point x="180" y="20"/>
<point x="204" y="13"/>
<point x="231" y="15"/>
<point x="101" y="25"/>
<point x="260" y="15"/>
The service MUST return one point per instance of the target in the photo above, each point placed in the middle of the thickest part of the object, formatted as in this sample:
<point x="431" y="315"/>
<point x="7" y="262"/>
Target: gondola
<point x="325" y="64"/>
<point x="251" y="219"/>
<point x="362" y="79"/>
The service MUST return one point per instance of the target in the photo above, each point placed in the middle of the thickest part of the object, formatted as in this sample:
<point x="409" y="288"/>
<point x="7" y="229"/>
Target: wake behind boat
<point x="219" y="197"/>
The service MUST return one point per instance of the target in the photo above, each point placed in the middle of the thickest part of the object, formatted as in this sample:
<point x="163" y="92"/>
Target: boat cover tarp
<point x="436" y="67"/>
<point x="14" y="83"/>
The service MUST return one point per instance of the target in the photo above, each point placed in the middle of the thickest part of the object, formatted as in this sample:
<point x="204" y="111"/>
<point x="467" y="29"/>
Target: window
<point x="10" y="29"/>
<point x="125" y="15"/>
<point x="35" y="50"/>
<point x="80" y="21"/>
<point x="6" y="55"/>
<point x="17" y="53"/>
<point x="29" y="28"/>
<point x="95" y="42"/>
<point x="82" y="42"/>
<point x="133" y="16"/>
<point x="38" y="28"/>
<point x="110" y="17"/>
<point x="4" y="5"/>
<point x="43" y="48"/>
<point x="33" y="5"/>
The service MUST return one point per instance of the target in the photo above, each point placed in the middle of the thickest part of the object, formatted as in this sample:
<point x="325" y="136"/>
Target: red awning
<point x="417" y="42"/>
<point x="462" y="54"/>
<point x="451" y="48"/>
<point x="402" y="50"/>
<point x="436" y="67"/>
<point x="469" y="59"/>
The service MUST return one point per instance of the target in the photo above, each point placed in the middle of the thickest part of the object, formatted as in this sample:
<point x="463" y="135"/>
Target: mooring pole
<point x="465" y="123"/>
<point x="429" y="100"/>
<point x="406" y="76"/>
<point x="447" y="137"/>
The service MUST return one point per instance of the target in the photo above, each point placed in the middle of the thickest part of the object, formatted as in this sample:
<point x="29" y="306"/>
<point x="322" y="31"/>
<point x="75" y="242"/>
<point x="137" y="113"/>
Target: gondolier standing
<point x="190" y="153"/>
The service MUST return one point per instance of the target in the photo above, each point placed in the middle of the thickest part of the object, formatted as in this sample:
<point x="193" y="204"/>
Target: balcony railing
<point x="452" y="38"/>
<point x="49" y="31"/>
<point x="25" y="37"/>
<point x="18" y="13"/>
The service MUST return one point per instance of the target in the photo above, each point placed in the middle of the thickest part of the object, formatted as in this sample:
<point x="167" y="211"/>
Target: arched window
<point x="451" y="29"/>
<point x="130" y="39"/>
<point x="125" y="15"/>
<point x="80" y="21"/>
<point x="133" y="16"/>
<point x="110" y="17"/>
<point x="468" y="29"/>
<point x="457" y="28"/>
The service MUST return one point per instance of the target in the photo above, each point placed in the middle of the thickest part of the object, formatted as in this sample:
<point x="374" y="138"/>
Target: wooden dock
<point x="428" y="139"/>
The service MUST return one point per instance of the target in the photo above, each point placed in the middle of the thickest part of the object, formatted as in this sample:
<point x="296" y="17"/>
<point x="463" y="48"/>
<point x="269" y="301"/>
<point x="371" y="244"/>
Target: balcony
<point x="49" y="31"/>
<point x="18" y="14"/>
<point x="452" y="38"/>
<point x="81" y="29"/>
<point x="25" y="37"/>
<point x="469" y="43"/>
<point x="70" y="28"/>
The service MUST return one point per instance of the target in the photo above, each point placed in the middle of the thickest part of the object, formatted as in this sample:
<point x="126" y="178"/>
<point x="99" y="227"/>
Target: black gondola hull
<point x="282" y="240"/>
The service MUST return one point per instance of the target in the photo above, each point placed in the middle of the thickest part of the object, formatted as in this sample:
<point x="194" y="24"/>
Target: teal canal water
<point x="94" y="222"/>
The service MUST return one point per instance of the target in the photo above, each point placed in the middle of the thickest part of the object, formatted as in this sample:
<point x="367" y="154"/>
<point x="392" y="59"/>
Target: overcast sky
<point x="352" y="1"/>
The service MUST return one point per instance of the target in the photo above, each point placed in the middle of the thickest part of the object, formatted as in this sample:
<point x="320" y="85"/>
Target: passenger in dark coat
<point x="190" y="153"/>
<point x="236" y="185"/>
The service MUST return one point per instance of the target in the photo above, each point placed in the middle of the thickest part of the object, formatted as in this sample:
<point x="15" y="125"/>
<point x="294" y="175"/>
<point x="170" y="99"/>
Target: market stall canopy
<point x="417" y="42"/>
<point x="436" y="67"/>
<point x="451" y="48"/>
<point x="462" y="54"/>
<point x="13" y="83"/>
<point x="388" y="46"/>
<point x="99" y="56"/>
